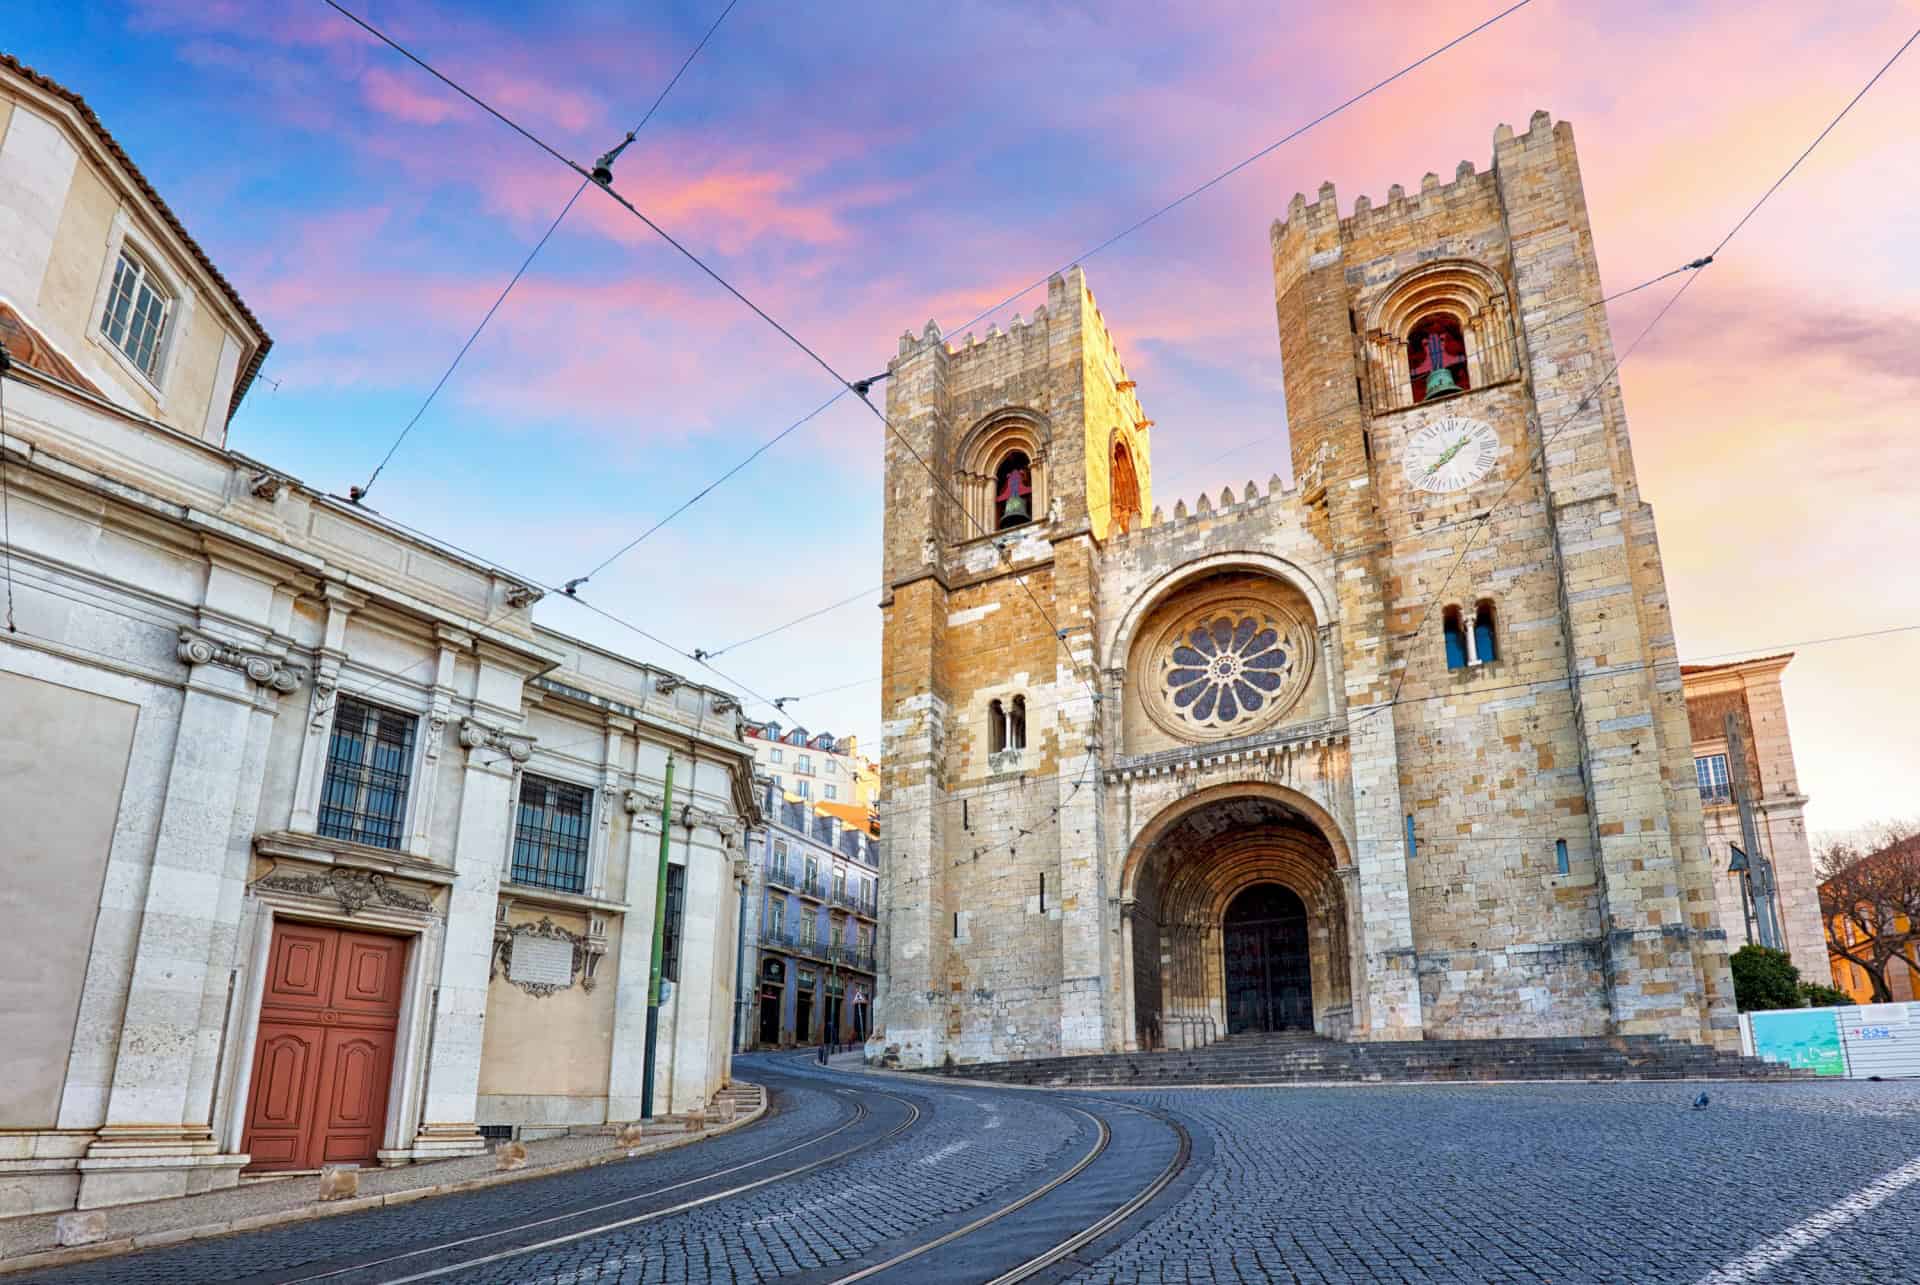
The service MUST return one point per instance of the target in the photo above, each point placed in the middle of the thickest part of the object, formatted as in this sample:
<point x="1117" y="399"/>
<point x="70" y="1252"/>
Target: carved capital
<point x="324" y="692"/>
<point x="436" y="733"/>
<point x="476" y="735"/>
<point x="261" y="668"/>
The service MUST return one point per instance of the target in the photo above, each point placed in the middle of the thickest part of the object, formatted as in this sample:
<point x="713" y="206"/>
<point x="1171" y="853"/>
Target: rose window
<point x="1230" y="668"/>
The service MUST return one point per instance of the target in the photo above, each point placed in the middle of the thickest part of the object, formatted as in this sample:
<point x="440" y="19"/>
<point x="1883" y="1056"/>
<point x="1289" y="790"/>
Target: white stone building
<point x="315" y="846"/>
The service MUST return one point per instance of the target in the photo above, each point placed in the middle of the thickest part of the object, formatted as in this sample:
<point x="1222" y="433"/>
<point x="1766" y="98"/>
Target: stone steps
<point x="1300" y="1058"/>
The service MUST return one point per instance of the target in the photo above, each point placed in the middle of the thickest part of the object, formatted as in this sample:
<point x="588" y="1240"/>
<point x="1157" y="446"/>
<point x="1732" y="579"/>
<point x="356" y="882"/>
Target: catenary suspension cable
<point x="1262" y="154"/>
<point x="1110" y="241"/>
<point x="359" y="492"/>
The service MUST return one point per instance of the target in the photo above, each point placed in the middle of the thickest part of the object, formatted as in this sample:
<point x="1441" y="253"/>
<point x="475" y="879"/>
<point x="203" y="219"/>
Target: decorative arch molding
<point x="1157" y="828"/>
<point x="1471" y="295"/>
<point x="977" y="461"/>
<point x="1170" y="584"/>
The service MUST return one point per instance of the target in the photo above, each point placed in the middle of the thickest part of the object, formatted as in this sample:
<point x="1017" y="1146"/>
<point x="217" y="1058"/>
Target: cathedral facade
<point x="1398" y="751"/>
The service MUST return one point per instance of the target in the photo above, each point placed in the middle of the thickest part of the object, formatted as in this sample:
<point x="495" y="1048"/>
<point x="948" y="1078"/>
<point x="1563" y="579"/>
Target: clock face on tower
<point x="1451" y="454"/>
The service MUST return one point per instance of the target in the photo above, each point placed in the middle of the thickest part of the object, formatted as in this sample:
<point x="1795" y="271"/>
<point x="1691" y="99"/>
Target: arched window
<point x="1124" y="484"/>
<point x="996" y="727"/>
<point x="1560" y="865"/>
<point x="1012" y="491"/>
<point x="1456" y="638"/>
<point x="1484" y="647"/>
<point x="1017" y="724"/>
<point x="1437" y="358"/>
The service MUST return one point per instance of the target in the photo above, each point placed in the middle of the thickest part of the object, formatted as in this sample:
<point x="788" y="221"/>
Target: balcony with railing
<point x="1715" y="794"/>
<point x="813" y="886"/>
<point x="781" y="875"/>
<point x="777" y="938"/>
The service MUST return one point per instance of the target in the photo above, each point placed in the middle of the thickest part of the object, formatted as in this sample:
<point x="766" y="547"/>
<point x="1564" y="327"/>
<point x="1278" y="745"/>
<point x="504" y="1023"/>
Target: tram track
<point x="1082" y="1236"/>
<point x="362" y="1268"/>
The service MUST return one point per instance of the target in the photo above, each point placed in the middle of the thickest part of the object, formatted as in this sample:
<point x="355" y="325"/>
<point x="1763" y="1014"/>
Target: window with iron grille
<point x="550" y="834"/>
<point x="136" y="316"/>
<point x="369" y="766"/>
<point x="676" y="910"/>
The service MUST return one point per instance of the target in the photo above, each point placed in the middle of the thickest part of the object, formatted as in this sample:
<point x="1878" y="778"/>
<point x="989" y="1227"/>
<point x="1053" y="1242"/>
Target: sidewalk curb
<point x="359" y="1204"/>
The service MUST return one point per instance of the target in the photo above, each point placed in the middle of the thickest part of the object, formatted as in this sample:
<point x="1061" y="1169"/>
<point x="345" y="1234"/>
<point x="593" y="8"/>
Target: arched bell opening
<point x="1239" y="923"/>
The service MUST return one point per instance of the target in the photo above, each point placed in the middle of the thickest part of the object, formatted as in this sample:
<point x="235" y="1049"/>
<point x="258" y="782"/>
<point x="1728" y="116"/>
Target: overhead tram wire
<point x="356" y="494"/>
<point x="1110" y="241"/>
<point x="1581" y="406"/>
<point x="810" y="352"/>
<point x="1260" y="155"/>
<point x="863" y="386"/>
<point x="359" y="493"/>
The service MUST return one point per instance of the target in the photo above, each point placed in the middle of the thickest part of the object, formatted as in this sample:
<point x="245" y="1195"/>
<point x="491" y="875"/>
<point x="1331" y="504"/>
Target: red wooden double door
<point x="323" y="1060"/>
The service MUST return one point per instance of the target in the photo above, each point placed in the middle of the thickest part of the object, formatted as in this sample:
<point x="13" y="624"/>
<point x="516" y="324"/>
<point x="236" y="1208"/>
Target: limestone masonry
<point x="1398" y="751"/>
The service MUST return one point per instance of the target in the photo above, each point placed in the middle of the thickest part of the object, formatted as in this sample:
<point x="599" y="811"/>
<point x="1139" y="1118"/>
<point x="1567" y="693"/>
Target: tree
<point x="1764" y="978"/>
<point x="1870" y="900"/>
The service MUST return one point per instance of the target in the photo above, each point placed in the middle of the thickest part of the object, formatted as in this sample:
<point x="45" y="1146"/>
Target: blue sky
<point x="859" y="168"/>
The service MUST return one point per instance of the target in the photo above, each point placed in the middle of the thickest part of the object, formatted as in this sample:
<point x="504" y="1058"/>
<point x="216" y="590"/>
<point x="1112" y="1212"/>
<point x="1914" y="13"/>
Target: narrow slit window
<point x="1017" y="724"/>
<point x="996" y="727"/>
<point x="1560" y="864"/>
<point x="1455" y="636"/>
<point x="1043" y="890"/>
<point x="1485" y="647"/>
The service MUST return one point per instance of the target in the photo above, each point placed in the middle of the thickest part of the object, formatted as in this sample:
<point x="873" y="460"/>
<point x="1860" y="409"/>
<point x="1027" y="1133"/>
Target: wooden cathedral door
<point x="323" y="1060"/>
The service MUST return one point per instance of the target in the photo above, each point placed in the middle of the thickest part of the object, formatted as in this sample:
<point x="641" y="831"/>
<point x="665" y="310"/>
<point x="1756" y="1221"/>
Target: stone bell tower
<point x="990" y="869"/>
<point x="1503" y="608"/>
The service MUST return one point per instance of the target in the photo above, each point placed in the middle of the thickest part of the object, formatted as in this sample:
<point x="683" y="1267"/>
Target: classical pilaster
<point x="494" y="759"/>
<point x="157" y="1140"/>
<point x="433" y="738"/>
<point x="328" y="657"/>
<point x="642" y="849"/>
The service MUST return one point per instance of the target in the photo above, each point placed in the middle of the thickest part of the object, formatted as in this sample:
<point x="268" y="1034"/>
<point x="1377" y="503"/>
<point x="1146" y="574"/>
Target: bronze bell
<point x="1014" y="510"/>
<point x="1440" y="383"/>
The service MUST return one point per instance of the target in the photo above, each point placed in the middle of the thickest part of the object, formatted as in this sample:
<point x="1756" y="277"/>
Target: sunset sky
<point x="861" y="168"/>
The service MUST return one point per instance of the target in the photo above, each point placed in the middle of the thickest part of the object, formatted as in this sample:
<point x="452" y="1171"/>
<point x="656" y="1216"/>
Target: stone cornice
<point x="296" y="845"/>
<point x="1249" y="750"/>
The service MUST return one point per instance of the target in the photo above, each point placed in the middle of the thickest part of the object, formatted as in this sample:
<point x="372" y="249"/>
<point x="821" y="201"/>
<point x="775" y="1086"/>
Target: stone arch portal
<point x="1239" y="922"/>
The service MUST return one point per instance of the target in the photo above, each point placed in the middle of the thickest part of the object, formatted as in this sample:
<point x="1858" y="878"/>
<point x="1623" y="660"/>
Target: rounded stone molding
<point x="1227" y="664"/>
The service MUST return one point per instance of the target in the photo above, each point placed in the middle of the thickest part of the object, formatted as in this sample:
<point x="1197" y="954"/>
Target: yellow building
<point x="818" y="769"/>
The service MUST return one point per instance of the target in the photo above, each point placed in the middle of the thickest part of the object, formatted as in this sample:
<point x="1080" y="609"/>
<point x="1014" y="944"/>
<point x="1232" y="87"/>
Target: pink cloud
<point x="410" y="98"/>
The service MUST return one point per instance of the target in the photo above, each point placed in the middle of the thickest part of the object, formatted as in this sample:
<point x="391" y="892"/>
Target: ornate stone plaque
<point x="541" y="961"/>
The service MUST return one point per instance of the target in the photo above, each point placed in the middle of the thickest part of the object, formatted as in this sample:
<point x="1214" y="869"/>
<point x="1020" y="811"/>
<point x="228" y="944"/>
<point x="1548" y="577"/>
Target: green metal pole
<point x="659" y="947"/>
